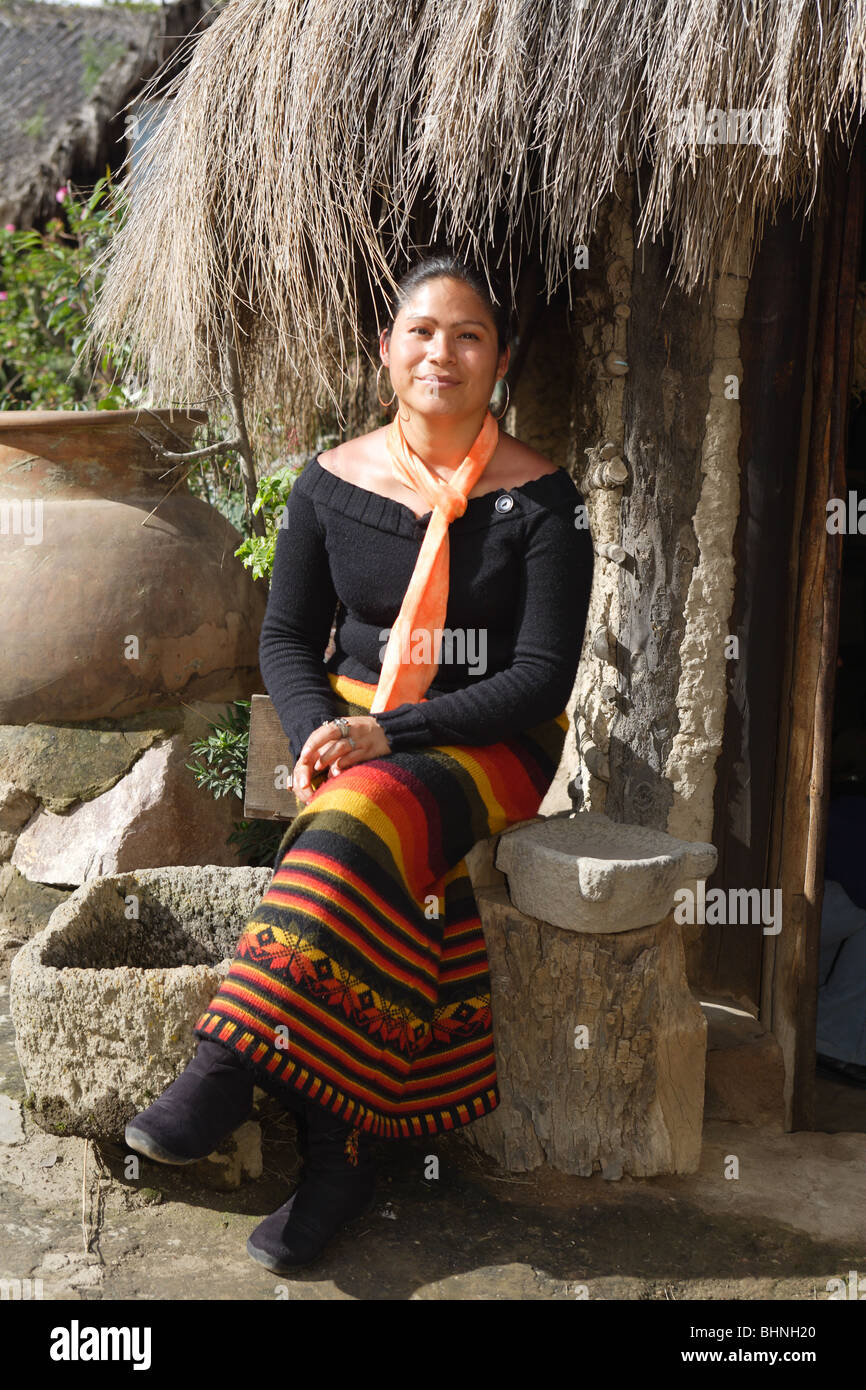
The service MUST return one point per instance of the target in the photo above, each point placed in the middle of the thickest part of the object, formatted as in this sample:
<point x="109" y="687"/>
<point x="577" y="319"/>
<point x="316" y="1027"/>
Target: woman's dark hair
<point x="446" y="264"/>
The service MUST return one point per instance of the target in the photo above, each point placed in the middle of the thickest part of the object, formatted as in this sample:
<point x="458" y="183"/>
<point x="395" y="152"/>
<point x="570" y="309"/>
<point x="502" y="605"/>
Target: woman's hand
<point x="326" y="749"/>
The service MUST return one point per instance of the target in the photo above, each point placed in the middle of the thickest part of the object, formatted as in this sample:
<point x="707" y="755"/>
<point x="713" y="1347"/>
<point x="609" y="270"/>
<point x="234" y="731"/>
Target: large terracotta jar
<point x="119" y="590"/>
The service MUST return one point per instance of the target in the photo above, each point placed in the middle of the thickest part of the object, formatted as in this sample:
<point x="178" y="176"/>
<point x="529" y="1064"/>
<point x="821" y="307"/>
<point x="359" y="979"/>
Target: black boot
<point x="210" y="1098"/>
<point x="338" y="1185"/>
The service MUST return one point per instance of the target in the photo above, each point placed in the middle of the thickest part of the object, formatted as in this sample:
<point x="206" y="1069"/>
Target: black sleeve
<point x="297" y="622"/>
<point x="549" y="626"/>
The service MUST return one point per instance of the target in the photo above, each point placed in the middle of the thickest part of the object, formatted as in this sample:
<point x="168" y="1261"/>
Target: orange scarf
<point x="424" y="604"/>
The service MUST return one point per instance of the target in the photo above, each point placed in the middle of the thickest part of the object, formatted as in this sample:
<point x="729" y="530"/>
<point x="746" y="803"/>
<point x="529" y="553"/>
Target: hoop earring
<point x="505" y="407"/>
<point x="383" y="404"/>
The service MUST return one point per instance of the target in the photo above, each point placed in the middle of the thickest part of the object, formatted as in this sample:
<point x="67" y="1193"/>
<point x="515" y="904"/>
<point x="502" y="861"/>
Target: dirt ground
<point x="793" y="1219"/>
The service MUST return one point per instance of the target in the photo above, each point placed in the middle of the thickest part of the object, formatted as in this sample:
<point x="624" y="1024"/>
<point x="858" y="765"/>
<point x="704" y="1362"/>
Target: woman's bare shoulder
<point x="353" y="459"/>
<point x="360" y="460"/>
<point x="520" y="463"/>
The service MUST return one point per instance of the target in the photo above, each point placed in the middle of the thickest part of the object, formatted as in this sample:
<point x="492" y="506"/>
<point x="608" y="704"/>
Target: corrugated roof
<point x="65" y="74"/>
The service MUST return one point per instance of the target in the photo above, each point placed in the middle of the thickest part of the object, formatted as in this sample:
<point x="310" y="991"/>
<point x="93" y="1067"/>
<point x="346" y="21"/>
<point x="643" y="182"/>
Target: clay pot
<point x="120" y="589"/>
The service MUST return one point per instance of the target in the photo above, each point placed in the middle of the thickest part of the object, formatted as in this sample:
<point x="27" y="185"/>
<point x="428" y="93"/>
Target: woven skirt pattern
<point x="361" y="980"/>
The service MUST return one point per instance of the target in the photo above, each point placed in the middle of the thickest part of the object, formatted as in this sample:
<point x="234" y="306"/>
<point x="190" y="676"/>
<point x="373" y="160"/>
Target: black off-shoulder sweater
<point x="520" y="578"/>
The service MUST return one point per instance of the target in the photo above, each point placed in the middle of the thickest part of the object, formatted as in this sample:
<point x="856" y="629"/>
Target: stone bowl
<point x="105" y="998"/>
<point x="587" y="873"/>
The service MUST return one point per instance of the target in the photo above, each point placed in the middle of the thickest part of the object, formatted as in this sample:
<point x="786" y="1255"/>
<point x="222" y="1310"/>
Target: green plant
<point x="257" y="841"/>
<point x="220" y="484"/>
<point x="257" y="552"/>
<point x="224" y="753"/>
<point x="48" y="284"/>
<point x="222" y="771"/>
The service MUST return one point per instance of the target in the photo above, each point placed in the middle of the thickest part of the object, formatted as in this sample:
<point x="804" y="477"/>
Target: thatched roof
<point x="67" y="72"/>
<point x="306" y="134"/>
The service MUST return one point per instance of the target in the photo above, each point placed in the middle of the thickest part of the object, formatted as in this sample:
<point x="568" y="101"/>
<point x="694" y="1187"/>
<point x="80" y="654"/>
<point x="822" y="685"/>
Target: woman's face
<point x="443" y="352"/>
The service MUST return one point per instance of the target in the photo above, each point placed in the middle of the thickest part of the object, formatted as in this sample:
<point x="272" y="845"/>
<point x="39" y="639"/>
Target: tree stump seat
<point x="600" y="1044"/>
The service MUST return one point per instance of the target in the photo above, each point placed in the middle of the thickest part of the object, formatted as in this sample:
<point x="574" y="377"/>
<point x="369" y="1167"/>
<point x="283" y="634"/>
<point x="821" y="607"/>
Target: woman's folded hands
<point x="326" y="751"/>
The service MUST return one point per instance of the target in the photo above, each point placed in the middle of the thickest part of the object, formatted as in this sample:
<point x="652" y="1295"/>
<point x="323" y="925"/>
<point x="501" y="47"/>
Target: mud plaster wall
<point x="652" y="445"/>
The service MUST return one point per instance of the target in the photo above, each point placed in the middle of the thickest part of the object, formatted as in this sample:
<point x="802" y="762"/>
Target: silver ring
<point x="351" y="740"/>
<point x="342" y="726"/>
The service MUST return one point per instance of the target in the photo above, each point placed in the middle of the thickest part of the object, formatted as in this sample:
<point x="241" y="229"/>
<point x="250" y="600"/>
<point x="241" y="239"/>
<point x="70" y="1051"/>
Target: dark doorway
<point x="840" y="1104"/>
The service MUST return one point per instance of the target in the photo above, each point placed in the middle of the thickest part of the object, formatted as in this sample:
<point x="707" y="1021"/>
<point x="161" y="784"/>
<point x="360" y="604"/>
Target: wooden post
<point x="725" y="962"/>
<point x="790" y="980"/>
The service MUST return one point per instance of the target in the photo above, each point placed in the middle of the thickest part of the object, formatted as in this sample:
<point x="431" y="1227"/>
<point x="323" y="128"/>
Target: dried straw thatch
<point x="306" y="134"/>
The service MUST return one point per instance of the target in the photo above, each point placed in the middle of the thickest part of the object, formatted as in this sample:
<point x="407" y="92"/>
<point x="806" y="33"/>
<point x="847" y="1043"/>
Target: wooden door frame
<point x="789" y="985"/>
<point x="726" y="960"/>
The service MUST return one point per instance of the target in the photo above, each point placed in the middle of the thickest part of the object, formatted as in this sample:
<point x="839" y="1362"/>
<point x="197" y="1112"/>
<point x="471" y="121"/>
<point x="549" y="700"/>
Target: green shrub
<point x="48" y="284"/>
<point x="257" y="552"/>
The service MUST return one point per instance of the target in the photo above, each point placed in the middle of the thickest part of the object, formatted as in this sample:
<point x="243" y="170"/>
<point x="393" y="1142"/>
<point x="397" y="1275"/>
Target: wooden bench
<point x="269" y="766"/>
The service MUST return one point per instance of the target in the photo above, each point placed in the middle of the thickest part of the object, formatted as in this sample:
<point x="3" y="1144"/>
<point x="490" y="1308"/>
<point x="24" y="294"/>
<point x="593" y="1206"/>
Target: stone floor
<point x="793" y="1219"/>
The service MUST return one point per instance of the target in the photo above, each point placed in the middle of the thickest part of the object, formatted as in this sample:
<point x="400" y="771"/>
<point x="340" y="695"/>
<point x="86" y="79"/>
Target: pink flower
<point x="10" y="227"/>
<point x="61" y="193"/>
<point x="3" y="294"/>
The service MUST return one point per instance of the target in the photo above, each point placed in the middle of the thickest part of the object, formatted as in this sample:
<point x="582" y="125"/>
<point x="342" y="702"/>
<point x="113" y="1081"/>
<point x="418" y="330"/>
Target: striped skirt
<point x="361" y="980"/>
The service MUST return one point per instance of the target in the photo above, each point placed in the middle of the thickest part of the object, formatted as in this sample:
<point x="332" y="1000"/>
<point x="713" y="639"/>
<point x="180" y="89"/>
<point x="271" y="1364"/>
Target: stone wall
<point x="79" y="801"/>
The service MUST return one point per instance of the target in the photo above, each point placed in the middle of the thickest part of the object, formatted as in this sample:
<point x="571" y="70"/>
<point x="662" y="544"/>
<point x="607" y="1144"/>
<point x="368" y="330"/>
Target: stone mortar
<point x="104" y="999"/>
